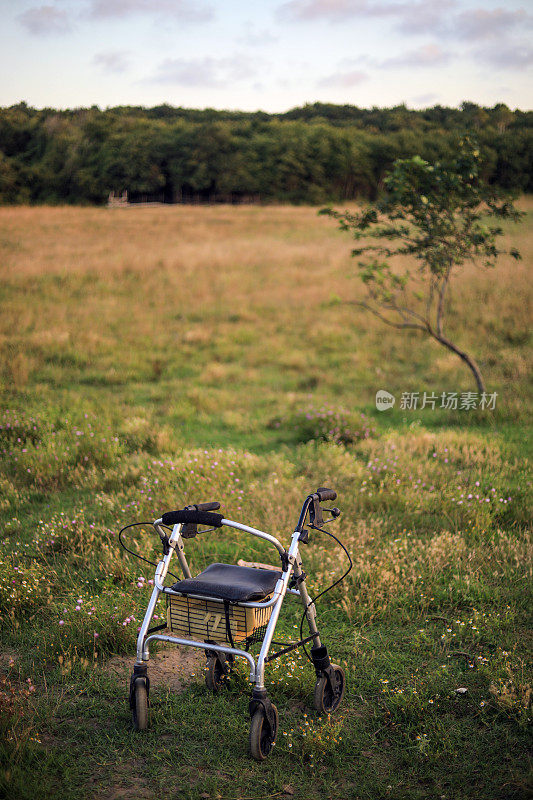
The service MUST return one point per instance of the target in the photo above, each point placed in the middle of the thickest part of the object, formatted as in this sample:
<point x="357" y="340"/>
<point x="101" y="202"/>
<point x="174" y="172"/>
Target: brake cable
<point x="324" y="591"/>
<point x="302" y="642"/>
<point x="136" y="555"/>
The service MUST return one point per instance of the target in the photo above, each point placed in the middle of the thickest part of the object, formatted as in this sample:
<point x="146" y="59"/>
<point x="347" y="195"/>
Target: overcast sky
<point x="267" y="54"/>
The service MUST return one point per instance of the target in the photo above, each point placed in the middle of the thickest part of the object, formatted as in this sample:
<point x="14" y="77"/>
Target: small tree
<point x="439" y="215"/>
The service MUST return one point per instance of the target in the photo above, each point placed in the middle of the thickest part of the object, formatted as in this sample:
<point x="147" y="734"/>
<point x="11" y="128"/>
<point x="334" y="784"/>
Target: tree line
<point x="313" y="154"/>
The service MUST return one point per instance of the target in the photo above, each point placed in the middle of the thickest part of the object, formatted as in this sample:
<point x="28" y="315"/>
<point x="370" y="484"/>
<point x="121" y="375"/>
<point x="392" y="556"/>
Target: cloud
<point x="112" y="61"/>
<point x="410" y="16"/>
<point x="204" y="72"/>
<point x="478" y="23"/>
<point x="472" y="24"/>
<point x="333" y="10"/>
<point x="184" y="10"/>
<point x="344" y="78"/>
<point x="44" y="20"/>
<point x="515" y="55"/>
<point x="350" y="71"/>
<point x="253" y="37"/>
<point x="443" y="18"/>
<point x="430" y="55"/>
<point x="425" y="17"/>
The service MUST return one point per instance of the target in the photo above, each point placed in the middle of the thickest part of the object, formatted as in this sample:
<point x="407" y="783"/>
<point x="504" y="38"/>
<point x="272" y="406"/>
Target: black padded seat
<point x="229" y="582"/>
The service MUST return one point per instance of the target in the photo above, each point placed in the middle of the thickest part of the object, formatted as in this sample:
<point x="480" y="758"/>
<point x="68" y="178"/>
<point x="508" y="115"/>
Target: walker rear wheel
<point x="216" y="674"/>
<point x="262" y="738"/>
<point x="140" y="712"/>
<point x="327" y="699"/>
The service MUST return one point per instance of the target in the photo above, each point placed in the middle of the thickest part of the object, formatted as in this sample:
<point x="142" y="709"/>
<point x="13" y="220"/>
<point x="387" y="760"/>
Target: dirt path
<point x="172" y="667"/>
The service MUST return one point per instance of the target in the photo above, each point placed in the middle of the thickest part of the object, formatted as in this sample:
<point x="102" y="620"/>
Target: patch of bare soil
<point x="127" y="783"/>
<point x="172" y="667"/>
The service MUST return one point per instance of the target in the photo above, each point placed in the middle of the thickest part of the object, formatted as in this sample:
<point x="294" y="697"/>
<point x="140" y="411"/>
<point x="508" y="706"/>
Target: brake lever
<point x="163" y="536"/>
<point x="315" y="514"/>
<point x="335" y="512"/>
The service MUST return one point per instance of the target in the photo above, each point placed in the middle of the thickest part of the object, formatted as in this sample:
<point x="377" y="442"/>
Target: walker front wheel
<point x="216" y="673"/>
<point x="140" y="712"/>
<point x="328" y="698"/>
<point x="262" y="736"/>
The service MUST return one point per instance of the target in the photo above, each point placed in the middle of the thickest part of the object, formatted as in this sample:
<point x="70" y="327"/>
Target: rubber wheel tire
<point x="140" y="711"/>
<point x="216" y="675"/>
<point x="325" y="701"/>
<point x="261" y="737"/>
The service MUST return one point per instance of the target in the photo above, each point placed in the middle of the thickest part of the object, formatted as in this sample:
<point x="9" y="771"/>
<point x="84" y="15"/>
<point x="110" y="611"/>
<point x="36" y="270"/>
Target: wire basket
<point x="208" y="620"/>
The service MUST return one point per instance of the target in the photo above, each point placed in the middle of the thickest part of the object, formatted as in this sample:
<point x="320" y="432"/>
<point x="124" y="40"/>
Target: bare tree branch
<point x="399" y="325"/>
<point x="403" y="311"/>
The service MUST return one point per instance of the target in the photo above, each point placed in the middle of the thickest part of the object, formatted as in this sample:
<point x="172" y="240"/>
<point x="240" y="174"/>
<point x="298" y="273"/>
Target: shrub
<point x="328" y="424"/>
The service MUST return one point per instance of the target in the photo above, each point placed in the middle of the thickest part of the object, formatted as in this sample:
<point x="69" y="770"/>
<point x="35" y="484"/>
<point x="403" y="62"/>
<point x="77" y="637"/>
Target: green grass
<point x="130" y="391"/>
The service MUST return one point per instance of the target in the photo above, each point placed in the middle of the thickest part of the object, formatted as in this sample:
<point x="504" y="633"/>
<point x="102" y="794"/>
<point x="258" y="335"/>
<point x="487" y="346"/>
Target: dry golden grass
<point x="241" y="289"/>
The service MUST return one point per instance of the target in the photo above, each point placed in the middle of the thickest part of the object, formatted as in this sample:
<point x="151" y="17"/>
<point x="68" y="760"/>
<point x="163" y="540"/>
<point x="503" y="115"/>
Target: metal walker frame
<point x="292" y="581"/>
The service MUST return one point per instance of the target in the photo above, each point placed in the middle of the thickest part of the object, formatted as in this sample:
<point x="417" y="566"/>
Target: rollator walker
<point x="227" y="608"/>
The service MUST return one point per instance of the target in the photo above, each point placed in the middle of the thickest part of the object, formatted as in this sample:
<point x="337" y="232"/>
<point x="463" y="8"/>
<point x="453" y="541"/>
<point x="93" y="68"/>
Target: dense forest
<point x="313" y="154"/>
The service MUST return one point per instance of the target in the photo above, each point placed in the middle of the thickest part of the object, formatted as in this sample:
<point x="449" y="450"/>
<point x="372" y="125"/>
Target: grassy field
<point x="157" y="356"/>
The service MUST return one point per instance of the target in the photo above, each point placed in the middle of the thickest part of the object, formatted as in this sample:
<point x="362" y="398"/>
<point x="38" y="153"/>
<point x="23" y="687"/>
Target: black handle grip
<point x="196" y="517"/>
<point x="214" y="506"/>
<point x="326" y="494"/>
